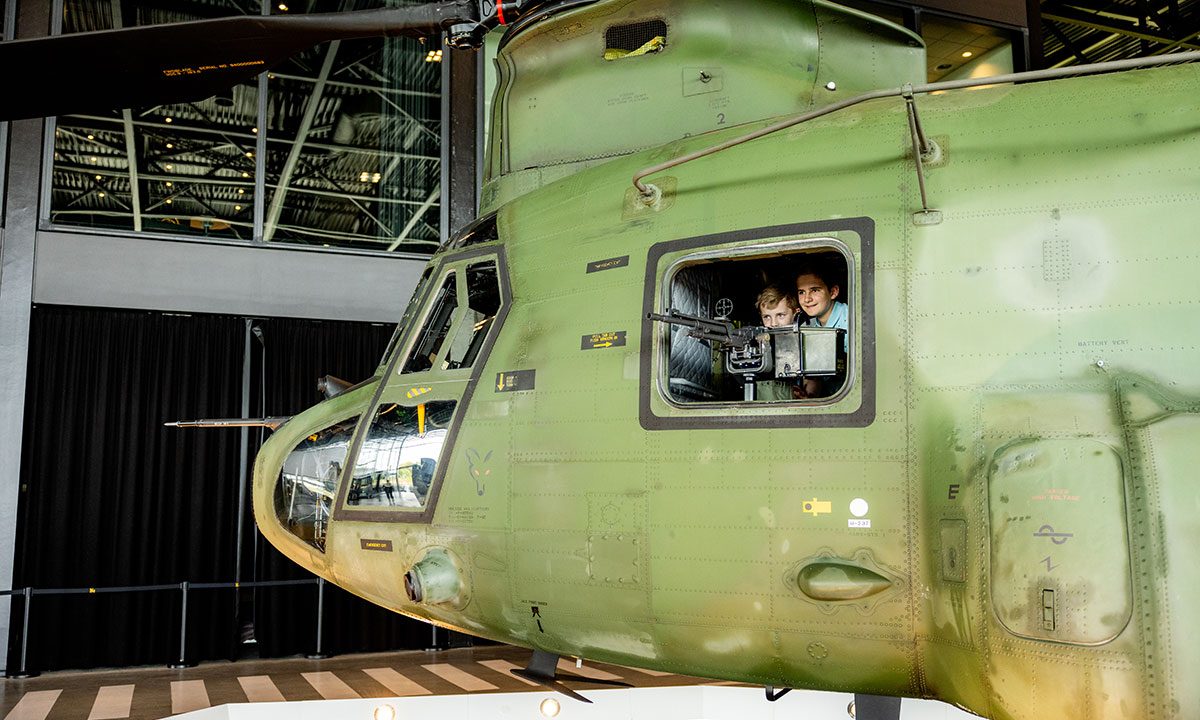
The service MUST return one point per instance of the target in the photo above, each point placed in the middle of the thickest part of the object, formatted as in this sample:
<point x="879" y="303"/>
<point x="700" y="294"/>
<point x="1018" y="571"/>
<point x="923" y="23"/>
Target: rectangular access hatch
<point x="1060" y="551"/>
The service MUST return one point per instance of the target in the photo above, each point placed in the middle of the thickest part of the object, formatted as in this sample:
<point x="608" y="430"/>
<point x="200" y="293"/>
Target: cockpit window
<point x="426" y="352"/>
<point x="458" y="321"/>
<point x="308" y="481"/>
<point x="409" y="311"/>
<point x="399" y="456"/>
<point x="483" y="290"/>
<point x="758" y="327"/>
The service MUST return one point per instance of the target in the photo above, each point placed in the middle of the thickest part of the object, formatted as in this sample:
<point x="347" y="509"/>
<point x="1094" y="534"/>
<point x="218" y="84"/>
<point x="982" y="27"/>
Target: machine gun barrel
<point x="721" y="332"/>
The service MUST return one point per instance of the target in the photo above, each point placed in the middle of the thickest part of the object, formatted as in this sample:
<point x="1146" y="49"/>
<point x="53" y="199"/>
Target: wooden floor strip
<point x="260" y="688"/>
<point x="34" y="705"/>
<point x="188" y="695"/>
<point x="112" y="702"/>
<point x="396" y="683"/>
<point x="330" y="686"/>
<point x="504" y="667"/>
<point x="461" y="678"/>
<point x="588" y="672"/>
<point x="651" y="673"/>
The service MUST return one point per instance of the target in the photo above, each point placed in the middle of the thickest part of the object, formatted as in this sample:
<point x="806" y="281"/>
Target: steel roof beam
<point x="65" y="119"/>
<point x="359" y="86"/>
<point x="412" y="221"/>
<point x="293" y="158"/>
<point x="1109" y="22"/>
<point x="135" y="198"/>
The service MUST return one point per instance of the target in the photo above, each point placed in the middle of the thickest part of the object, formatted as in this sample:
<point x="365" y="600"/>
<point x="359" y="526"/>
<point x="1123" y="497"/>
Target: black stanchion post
<point x="182" y="663"/>
<point x="320" y="654"/>
<point x="24" y="672"/>
<point x="433" y="641"/>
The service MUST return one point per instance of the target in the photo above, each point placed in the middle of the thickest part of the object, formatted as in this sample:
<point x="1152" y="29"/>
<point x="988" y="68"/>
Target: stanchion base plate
<point x="317" y="656"/>
<point x="181" y="665"/>
<point x="23" y="675"/>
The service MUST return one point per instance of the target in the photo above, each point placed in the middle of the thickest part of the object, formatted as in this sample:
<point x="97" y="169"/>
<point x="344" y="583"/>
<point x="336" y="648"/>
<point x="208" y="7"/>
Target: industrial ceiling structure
<point x="341" y="146"/>
<point x="1089" y="31"/>
<point x="342" y="149"/>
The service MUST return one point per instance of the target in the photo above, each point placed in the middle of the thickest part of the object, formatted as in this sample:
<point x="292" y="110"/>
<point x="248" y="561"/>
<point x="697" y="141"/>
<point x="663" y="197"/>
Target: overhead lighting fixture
<point x="169" y="183"/>
<point x="97" y="177"/>
<point x="167" y="120"/>
<point x="249" y="154"/>
<point x="168" y="201"/>
<point x="364" y="176"/>
<point x="237" y="208"/>
<point x="95" y="159"/>
<point x="169" y="166"/>
<point x="91" y="137"/>
<point x="245" y="174"/>
<point x="282" y="7"/>
<point x="967" y="54"/>
<point x="254" y="130"/>
<point x="434" y="55"/>
<point x="100" y="194"/>
<point x="376" y="177"/>
<point x="550" y="708"/>
<point x="241" y="191"/>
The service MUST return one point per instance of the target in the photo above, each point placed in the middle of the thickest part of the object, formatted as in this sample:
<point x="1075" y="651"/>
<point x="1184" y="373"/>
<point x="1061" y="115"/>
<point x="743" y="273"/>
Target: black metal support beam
<point x="462" y="137"/>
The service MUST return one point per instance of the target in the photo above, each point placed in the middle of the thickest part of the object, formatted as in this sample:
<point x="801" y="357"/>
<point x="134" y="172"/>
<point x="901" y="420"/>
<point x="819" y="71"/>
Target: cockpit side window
<point x="483" y="302"/>
<point x="426" y="352"/>
<point x="399" y="456"/>
<point x="409" y="312"/>
<point x="308" y="480"/>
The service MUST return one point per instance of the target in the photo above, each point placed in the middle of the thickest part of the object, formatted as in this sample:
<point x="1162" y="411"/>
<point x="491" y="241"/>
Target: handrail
<point x="164" y="586"/>
<point x="649" y="192"/>
<point x="183" y="587"/>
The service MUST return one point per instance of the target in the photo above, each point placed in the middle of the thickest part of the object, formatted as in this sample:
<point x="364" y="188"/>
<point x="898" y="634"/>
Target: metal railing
<point x="184" y="588"/>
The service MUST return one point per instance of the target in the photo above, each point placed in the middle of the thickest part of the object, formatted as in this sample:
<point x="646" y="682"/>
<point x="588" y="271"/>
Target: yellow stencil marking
<point x="817" y="507"/>
<point x="421" y="420"/>
<point x="415" y="392"/>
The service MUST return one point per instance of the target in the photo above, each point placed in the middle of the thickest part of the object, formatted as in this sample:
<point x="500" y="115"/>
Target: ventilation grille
<point x="632" y="36"/>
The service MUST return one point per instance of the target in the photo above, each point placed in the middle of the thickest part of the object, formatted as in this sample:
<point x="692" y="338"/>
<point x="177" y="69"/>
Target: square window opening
<point x="762" y="326"/>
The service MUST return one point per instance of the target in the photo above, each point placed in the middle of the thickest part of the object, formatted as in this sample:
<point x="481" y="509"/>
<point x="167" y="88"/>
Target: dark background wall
<point x="110" y="497"/>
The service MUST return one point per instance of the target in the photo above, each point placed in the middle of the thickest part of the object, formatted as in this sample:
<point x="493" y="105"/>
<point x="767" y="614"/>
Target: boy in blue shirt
<point x="819" y="301"/>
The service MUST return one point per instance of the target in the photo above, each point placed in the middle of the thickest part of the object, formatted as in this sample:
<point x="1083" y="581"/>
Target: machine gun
<point x="747" y="350"/>
<point x="721" y="333"/>
<point x="783" y="353"/>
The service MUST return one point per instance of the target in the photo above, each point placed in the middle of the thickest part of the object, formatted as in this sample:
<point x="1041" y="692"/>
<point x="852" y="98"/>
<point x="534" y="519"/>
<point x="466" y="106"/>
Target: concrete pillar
<point x="16" y="297"/>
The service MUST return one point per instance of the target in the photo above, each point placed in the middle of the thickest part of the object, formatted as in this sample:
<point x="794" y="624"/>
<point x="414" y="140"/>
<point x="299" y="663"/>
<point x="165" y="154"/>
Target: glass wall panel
<point x="354" y="146"/>
<point x="352" y="141"/>
<point x="183" y="169"/>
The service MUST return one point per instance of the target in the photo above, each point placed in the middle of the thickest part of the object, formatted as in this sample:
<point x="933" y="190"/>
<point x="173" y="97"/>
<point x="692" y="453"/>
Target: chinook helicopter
<point x="991" y="502"/>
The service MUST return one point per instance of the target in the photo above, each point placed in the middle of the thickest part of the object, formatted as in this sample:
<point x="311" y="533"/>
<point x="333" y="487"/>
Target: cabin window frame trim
<point x="780" y="414"/>
<point x="763" y="250"/>
<point x="341" y="511"/>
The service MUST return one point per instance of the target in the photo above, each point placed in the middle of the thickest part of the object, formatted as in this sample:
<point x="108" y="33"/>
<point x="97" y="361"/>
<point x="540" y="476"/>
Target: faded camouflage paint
<point x="1049" y="316"/>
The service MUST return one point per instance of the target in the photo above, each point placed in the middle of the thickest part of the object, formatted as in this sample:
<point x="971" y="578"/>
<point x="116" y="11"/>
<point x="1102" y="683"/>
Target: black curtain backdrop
<point x="111" y="497"/>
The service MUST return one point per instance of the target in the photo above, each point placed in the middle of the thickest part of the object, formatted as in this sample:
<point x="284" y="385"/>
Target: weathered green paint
<point x="1042" y="337"/>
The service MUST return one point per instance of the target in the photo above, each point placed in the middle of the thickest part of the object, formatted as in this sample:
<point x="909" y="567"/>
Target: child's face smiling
<point x="816" y="299"/>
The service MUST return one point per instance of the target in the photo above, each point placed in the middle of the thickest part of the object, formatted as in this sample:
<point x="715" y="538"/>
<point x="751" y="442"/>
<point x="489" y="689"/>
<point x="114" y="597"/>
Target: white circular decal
<point x="858" y="507"/>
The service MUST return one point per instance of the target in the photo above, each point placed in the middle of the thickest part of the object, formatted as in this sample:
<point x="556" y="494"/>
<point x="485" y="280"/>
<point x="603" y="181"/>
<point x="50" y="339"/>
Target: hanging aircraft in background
<point x="964" y="471"/>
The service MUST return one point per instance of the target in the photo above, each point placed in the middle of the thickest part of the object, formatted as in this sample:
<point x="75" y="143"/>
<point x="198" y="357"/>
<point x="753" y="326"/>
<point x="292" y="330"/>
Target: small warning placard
<point x="600" y="341"/>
